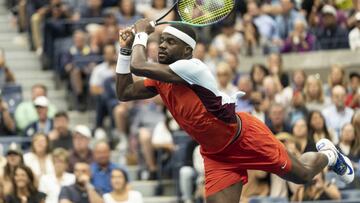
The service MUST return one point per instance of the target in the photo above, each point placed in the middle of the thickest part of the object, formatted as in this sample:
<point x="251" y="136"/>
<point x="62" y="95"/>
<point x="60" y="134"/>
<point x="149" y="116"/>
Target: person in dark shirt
<point x="82" y="191"/>
<point x="61" y="136"/>
<point x="275" y="119"/>
<point x="7" y="123"/>
<point x="81" y="151"/>
<point x="24" y="189"/>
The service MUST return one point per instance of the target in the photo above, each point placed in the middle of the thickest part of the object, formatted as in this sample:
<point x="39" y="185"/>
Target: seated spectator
<point x="330" y="35"/>
<point x="257" y="73"/>
<point x="37" y="18"/>
<point x="256" y="99"/>
<point x="298" y="81"/>
<point x="127" y="14"/>
<point x="82" y="190"/>
<point x="300" y="132"/>
<point x="51" y="184"/>
<point x="299" y="40"/>
<point x="298" y="109"/>
<point x="159" y="8"/>
<point x="315" y="98"/>
<point x="355" y="121"/>
<point x="275" y="66"/>
<point x="101" y="168"/>
<point x="337" y="115"/>
<point x="353" y="96"/>
<point x="121" y="191"/>
<point x="92" y="9"/>
<point x="337" y="76"/>
<point x="318" y="129"/>
<point x="349" y="144"/>
<point x="286" y="20"/>
<point x="7" y="124"/>
<point x="253" y="41"/>
<point x="24" y="184"/>
<point x="224" y="78"/>
<point x="14" y="158"/>
<point x="26" y="113"/>
<point x="257" y="185"/>
<point x="6" y="76"/>
<point x="233" y="61"/>
<point x="354" y="35"/>
<point x="318" y="189"/>
<point x="162" y="134"/>
<point x="61" y="135"/>
<point x="79" y="65"/>
<point x="202" y="52"/>
<point x="44" y="124"/>
<point x="228" y="40"/>
<point x="276" y="119"/>
<point x="39" y="158"/>
<point x="81" y="151"/>
<point x="244" y="103"/>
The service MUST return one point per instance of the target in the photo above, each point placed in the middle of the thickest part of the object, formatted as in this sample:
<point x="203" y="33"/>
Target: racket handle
<point x="152" y="23"/>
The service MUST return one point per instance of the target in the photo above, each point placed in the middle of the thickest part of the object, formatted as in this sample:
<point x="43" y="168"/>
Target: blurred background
<point x="62" y="127"/>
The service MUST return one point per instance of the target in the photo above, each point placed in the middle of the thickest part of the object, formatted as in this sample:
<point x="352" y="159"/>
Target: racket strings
<point x="204" y="11"/>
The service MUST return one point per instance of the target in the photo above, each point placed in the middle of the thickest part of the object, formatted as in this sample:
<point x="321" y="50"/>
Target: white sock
<point x="331" y="155"/>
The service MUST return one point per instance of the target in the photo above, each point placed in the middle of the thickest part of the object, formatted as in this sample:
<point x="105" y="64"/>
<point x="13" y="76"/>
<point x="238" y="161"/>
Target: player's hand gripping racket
<point x="199" y="12"/>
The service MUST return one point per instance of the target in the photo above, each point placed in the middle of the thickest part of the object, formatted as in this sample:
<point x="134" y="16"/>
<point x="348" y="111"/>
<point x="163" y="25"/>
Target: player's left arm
<point x="141" y="67"/>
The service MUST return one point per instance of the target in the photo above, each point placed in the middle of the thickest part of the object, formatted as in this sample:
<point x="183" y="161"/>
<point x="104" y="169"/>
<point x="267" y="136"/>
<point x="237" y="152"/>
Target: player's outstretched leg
<point x="230" y="194"/>
<point x="311" y="163"/>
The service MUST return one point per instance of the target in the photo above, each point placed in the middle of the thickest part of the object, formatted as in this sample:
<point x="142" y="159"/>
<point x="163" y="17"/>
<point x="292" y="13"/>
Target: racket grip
<point x="152" y="23"/>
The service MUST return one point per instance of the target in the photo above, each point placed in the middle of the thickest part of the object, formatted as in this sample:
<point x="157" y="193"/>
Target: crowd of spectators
<point x="77" y="39"/>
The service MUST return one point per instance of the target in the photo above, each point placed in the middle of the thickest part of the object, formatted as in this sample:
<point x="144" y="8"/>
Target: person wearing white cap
<point x="354" y="35"/>
<point x="44" y="124"/>
<point x="81" y="151"/>
<point x="330" y="35"/>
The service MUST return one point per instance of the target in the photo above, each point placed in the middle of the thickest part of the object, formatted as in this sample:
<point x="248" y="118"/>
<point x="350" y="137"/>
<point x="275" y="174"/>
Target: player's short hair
<point x="186" y="29"/>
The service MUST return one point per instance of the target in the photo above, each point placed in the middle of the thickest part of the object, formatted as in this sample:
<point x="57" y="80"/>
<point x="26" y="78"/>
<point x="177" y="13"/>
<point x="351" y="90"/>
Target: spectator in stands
<point x="81" y="191"/>
<point x="37" y="18"/>
<point x="318" y="189"/>
<point x="6" y="76"/>
<point x="257" y="185"/>
<point x="61" y="135"/>
<point x="315" y="98"/>
<point x="331" y="35"/>
<point x="157" y="9"/>
<point x="354" y="35"/>
<point x="14" y="158"/>
<point x="44" y="124"/>
<point x="39" y="159"/>
<point x="233" y="61"/>
<point x="79" y="65"/>
<point x="201" y="52"/>
<point x="353" y="96"/>
<point x="275" y="66"/>
<point x="100" y="73"/>
<point x="271" y="91"/>
<point x="26" y="113"/>
<point x="318" y="129"/>
<point x="228" y="40"/>
<point x="101" y="168"/>
<point x="286" y="21"/>
<point x="253" y="41"/>
<point x="355" y="121"/>
<point x="300" y="132"/>
<point x="81" y="151"/>
<point x="92" y="9"/>
<point x="121" y="191"/>
<point x="257" y="74"/>
<point x="256" y="99"/>
<point x="337" y="115"/>
<point x="299" y="40"/>
<point x="298" y="109"/>
<point x="298" y="81"/>
<point x="127" y="14"/>
<point x="224" y="78"/>
<point x="336" y="77"/>
<point x="51" y="184"/>
<point x="24" y="187"/>
<point x="244" y="103"/>
<point x="276" y="119"/>
<point x="7" y="124"/>
<point x="349" y="144"/>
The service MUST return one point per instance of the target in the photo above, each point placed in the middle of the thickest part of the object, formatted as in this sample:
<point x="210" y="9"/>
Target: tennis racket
<point x="199" y="13"/>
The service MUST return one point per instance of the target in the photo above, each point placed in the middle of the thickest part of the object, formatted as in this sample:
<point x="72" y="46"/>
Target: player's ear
<point x="188" y="51"/>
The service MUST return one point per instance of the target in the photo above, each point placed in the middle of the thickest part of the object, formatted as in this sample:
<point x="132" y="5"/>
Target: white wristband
<point x="123" y="64"/>
<point x="141" y="38"/>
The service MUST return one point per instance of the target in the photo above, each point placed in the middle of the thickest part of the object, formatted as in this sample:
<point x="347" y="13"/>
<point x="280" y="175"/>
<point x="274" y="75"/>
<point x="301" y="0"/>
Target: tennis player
<point x="231" y="142"/>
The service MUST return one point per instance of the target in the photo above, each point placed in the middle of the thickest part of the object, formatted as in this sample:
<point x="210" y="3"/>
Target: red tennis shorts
<point x="255" y="149"/>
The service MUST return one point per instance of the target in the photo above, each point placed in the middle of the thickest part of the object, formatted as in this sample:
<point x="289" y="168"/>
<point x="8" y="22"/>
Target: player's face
<point x="171" y="49"/>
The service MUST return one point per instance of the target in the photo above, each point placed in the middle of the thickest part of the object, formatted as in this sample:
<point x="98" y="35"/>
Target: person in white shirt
<point x="121" y="192"/>
<point x="337" y="115"/>
<point x="39" y="158"/>
<point x="354" y="35"/>
<point x="51" y="184"/>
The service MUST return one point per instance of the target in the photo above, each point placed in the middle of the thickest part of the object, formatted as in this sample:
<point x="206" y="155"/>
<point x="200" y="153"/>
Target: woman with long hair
<point x="349" y="143"/>
<point x="121" y="191"/>
<point x="24" y="188"/>
<point x="257" y="74"/>
<point x="39" y="158"/>
<point x="14" y="158"/>
<point x="314" y="94"/>
<point x="301" y="135"/>
<point x="127" y="14"/>
<point x="317" y="127"/>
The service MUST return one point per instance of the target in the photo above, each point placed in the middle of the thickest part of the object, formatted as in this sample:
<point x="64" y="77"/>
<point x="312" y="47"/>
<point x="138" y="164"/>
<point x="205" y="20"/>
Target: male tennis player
<point x="231" y="142"/>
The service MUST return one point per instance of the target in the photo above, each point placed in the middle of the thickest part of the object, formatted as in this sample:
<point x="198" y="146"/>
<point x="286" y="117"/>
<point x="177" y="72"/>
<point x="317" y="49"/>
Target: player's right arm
<point x="126" y="88"/>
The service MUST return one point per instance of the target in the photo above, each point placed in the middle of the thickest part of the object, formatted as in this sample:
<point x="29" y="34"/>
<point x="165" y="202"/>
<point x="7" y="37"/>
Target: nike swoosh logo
<point x="283" y="166"/>
<point x="351" y="170"/>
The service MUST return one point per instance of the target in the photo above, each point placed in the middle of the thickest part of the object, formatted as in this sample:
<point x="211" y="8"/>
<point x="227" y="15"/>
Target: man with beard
<point x="61" y="136"/>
